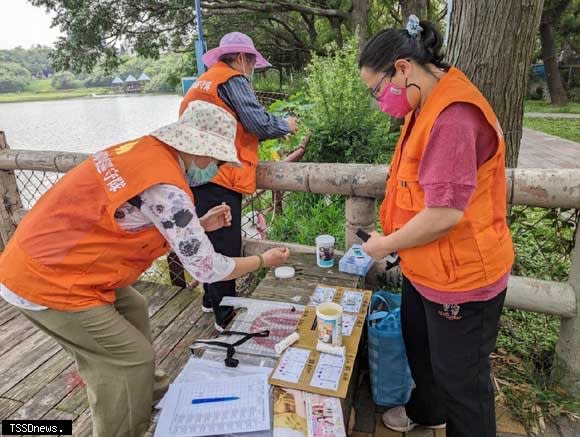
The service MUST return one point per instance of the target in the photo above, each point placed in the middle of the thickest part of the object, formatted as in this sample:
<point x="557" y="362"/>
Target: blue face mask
<point x="199" y="176"/>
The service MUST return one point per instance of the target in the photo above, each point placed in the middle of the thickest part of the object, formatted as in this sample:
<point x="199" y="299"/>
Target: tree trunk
<point x="359" y="20"/>
<point x="336" y="24"/>
<point x="553" y="77"/>
<point x="492" y="43"/>
<point x="416" y="7"/>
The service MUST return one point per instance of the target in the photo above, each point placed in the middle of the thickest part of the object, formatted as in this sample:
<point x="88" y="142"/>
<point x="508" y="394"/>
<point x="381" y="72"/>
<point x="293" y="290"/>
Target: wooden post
<point x="568" y="347"/>
<point x="360" y="213"/>
<point x="10" y="196"/>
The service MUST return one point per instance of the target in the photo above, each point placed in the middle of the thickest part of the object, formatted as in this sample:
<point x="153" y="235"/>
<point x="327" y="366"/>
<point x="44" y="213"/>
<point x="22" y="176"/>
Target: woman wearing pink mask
<point x="444" y="214"/>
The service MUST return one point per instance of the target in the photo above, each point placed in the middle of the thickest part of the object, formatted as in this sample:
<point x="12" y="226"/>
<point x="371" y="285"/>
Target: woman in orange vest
<point x="226" y="83"/>
<point x="444" y="213"/>
<point x="71" y="262"/>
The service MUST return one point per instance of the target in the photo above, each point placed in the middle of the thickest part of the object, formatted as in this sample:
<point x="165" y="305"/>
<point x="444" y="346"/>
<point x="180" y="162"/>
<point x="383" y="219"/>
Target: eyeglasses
<point x="375" y="90"/>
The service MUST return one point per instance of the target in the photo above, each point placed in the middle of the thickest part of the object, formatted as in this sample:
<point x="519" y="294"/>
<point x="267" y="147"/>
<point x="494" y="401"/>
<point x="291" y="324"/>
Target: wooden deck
<point x="38" y="380"/>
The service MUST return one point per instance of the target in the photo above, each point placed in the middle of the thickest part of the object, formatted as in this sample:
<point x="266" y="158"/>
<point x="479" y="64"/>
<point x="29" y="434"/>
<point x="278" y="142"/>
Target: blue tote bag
<point x="391" y="380"/>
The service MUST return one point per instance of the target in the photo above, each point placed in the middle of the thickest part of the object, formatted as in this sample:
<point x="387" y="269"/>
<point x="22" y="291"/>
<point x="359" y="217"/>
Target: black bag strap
<point x="231" y="347"/>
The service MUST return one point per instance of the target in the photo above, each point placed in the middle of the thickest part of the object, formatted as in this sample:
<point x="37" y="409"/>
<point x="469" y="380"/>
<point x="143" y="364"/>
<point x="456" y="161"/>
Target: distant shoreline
<point x="64" y="95"/>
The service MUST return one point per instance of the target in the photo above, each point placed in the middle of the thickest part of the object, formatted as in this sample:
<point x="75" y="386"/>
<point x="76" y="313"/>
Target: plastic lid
<point x="325" y="239"/>
<point x="284" y="272"/>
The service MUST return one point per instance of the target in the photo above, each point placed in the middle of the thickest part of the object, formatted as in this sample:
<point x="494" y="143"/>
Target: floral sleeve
<point x="173" y="214"/>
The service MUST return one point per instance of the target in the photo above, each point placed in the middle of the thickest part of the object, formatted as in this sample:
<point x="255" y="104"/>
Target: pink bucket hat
<point x="235" y="42"/>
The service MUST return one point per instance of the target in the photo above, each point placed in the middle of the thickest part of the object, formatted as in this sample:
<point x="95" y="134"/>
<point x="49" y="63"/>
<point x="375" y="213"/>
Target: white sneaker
<point x="397" y="420"/>
<point x="205" y="309"/>
<point x="218" y="328"/>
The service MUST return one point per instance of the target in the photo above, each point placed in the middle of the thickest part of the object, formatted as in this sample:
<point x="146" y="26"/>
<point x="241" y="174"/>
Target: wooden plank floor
<point x="38" y="380"/>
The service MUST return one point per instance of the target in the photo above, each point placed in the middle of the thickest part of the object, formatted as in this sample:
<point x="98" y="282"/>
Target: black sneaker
<point x="223" y="317"/>
<point x="206" y="305"/>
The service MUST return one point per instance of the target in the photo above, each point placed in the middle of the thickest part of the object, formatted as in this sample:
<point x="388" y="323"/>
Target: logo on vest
<point x="203" y="85"/>
<point x="451" y="312"/>
<point x="109" y="173"/>
<point x="124" y="148"/>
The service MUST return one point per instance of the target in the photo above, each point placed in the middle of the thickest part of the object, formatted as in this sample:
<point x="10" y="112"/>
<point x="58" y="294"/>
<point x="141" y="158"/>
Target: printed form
<point x="206" y="408"/>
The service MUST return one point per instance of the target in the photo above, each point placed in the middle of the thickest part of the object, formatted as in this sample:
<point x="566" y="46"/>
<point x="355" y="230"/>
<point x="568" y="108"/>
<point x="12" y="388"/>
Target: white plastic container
<point x="325" y="251"/>
<point x="355" y="261"/>
<point x="329" y="322"/>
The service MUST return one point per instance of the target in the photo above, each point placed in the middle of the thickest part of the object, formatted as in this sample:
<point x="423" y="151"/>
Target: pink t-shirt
<point x="461" y="141"/>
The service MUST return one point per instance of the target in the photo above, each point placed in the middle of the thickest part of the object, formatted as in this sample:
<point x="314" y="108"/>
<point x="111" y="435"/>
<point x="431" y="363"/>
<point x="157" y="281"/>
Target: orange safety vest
<point x="69" y="253"/>
<point x="243" y="179"/>
<point x="478" y="251"/>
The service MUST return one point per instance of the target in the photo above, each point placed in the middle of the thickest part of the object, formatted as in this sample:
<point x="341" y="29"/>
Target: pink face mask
<point x="393" y="101"/>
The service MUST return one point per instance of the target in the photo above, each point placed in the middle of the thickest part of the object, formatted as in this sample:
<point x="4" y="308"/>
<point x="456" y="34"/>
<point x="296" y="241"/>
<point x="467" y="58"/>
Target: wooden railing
<point x="362" y="185"/>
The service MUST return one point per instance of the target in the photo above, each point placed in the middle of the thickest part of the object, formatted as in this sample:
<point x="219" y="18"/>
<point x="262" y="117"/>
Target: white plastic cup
<point x="325" y="251"/>
<point x="329" y="322"/>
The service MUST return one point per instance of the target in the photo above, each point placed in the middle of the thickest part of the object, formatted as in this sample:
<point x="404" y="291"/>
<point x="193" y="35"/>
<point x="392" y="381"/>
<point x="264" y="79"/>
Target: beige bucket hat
<point x="203" y="129"/>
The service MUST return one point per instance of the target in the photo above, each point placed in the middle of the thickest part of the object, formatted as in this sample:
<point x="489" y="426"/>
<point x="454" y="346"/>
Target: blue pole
<point x="199" y="43"/>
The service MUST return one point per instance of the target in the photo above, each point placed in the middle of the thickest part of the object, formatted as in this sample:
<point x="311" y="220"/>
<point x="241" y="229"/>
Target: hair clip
<point x="413" y="26"/>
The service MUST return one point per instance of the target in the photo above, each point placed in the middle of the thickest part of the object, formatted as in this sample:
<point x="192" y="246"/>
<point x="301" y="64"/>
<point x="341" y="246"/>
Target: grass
<point x="308" y="215"/>
<point x="563" y="128"/>
<point x="39" y="86"/>
<point x="526" y="377"/>
<point x="32" y="96"/>
<point x="541" y="106"/>
<point x="523" y="369"/>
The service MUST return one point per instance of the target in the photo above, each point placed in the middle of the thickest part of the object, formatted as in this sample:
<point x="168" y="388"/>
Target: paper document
<point x="351" y="301"/>
<point x="348" y="321"/>
<point x="328" y="372"/>
<point x="291" y="365"/>
<point x="206" y="408"/>
<point x="322" y="295"/>
<point x="324" y="416"/>
<point x="201" y="369"/>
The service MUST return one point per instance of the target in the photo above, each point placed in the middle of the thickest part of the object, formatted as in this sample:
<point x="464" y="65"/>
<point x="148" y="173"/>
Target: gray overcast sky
<point x="22" y="24"/>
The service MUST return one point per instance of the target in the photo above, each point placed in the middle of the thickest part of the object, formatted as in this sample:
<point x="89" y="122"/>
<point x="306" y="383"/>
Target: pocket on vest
<point x="409" y="195"/>
<point x="432" y="261"/>
<point x="464" y="247"/>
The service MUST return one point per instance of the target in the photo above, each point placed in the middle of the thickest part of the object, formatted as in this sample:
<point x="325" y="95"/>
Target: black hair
<point x="389" y="45"/>
<point x="230" y="58"/>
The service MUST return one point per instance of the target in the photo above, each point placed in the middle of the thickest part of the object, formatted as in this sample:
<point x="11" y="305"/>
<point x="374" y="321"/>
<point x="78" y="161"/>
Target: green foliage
<point x="36" y="59"/>
<point x="524" y="365"/>
<point x="39" y="86"/>
<point x="13" y="77"/>
<point x="268" y="80"/>
<point x="64" y="81"/>
<point x="543" y="239"/>
<point x="308" y="215"/>
<point x="165" y="73"/>
<point x="346" y="124"/>
<point x="276" y="149"/>
<point x="529" y="379"/>
<point x="168" y="71"/>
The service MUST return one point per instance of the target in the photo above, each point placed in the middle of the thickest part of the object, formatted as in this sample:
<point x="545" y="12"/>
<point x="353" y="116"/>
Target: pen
<point x="211" y="400"/>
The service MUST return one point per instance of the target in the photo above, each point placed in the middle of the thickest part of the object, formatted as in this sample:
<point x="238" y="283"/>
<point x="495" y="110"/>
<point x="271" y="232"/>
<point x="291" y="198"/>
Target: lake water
<point x="84" y="125"/>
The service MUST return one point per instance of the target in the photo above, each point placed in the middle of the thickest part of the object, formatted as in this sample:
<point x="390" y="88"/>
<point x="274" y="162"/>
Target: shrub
<point x="13" y="77"/>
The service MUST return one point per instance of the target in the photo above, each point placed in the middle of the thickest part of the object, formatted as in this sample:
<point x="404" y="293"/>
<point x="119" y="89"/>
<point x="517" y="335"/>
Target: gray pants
<point x="113" y="350"/>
